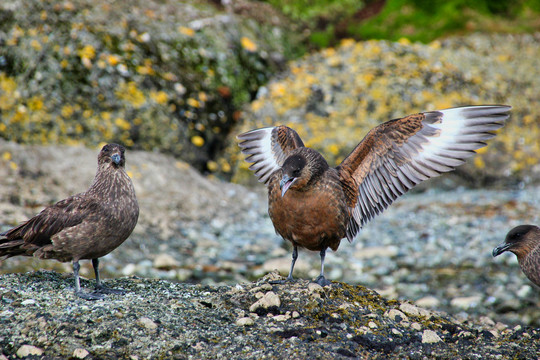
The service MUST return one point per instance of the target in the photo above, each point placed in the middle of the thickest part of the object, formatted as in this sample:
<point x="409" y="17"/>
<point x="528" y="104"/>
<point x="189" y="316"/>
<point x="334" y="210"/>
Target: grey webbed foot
<point x="89" y="296"/>
<point x="101" y="289"/>
<point x="288" y="279"/>
<point x="321" y="280"/>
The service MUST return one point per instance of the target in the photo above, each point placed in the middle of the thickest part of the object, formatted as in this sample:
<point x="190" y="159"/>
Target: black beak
<point x="285" y="183"/>
<point x="500" y="249"/>
<point x="116" y="158"/>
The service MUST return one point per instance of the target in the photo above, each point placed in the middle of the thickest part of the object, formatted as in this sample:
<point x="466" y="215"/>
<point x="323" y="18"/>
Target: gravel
<point x="159" y="319"/>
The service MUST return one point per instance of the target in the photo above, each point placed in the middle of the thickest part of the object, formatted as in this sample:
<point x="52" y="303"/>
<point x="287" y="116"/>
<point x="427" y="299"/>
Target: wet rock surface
<point x="161" y="319"/>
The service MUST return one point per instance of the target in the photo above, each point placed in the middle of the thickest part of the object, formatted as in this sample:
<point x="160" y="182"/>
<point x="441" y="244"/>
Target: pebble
<point x="430" y="337"/>
<point x="416" y="326"/>
<point x="413" y="310"/>
<point x="428" y="302"/>
<point x="80" y="353"/>
<point x="315" y="288"/>
<point x="27" y="350"/>
<point x="394" y="314"/>
<point x="269" y="299"/>
<point x="147" y="323"/>
<point x="28" y="302"/>
<point x="466" y="302"/>
<point x="165" y="262"/>
<point x="245" y="321"/>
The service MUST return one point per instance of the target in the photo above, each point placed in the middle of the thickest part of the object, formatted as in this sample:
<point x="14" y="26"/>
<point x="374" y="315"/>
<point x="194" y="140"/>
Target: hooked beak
<point x="286" y="183"/>
<point x="116" y="158"/>
<point x="500" y="249"/>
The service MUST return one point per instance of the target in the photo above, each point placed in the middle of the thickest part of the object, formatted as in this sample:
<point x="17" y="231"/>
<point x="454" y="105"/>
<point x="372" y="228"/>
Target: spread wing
<point x="268" y="148"/>
<point x="38" y="231"/>
<point x="398" y="154"/>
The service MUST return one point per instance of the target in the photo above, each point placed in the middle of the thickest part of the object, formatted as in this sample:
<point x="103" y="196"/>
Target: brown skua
<point x="315" y="206"/>
<point x="88" y="225"/>
<point x="524" y="242"/>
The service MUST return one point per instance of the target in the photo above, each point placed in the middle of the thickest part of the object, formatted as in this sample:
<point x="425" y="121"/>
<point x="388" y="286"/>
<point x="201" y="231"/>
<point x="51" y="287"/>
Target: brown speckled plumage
<point x="88" y="225"/>
<point x="524" y="241"/>
<point x="314" y="206"/>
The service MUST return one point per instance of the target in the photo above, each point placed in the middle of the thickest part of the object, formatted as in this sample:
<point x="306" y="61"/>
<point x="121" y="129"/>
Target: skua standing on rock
<point x="524" y="241"/>
<point x="315" y="206"/>
<point x="88" y="225"/>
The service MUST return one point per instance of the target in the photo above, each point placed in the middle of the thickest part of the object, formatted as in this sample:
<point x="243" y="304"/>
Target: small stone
<point x="466" y="302"/>
<point x="6" y="314"/>
<point x="430" y="337"/>
<point x="269" y="299"/>
<point x="28" y="302"/>
<point x="245" y="321"/>
<point x="295" y="315"/>
<point x="396" y="331"/>
<point x="281" y="317"/>
<point x="147" y="323"/>
<point x="416" y="326"/>
<point x="315" y="288"/>
<point x="413" y="310"/>
<point x="27" y="350"/>
<point x="3" y="357"/>
<point x="485" y="320"/>
<point x="409" y="309"/>
<point x="165" y="262"/>
<point x="80" y="353"/>
<point x="372" y="325"/>
<point x="396" y="315"/>
<point x="129" y="270"/>
<point x="428" y="301"/>
<point x="259" y="294"/>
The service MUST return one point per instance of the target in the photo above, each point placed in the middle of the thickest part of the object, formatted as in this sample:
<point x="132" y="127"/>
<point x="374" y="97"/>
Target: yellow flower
<point x="6" y="156"/>
<point x="193" y="102"/>
<point x="122" y="124"/>
<point x="197" y="141"/>
<point x="130" y="93"/>
<point x="67" y="111"/>
<point x="35" y="45"/>
<point x="186" y="31"/>
<point x="105" y="115"/>
<point x="88" y="52"/>
<point x="113" y="59"/>
<point x="248" y="44"/>
<point x="212" y="165"/>
<point x="404" y="41"/>
<point x="159" y="96"/>
<point x="13" y="165"/>
<point x="35" y="103"/>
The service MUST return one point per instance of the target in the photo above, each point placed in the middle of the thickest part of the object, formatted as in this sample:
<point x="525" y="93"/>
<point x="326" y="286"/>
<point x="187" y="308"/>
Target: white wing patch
<point x="266" y="156"/>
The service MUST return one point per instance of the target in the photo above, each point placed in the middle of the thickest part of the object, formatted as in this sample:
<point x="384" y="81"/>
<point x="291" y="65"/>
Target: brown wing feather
<point x="267" y="149"/>
<point x="38" y="230"/>
<point x="398" y="154"/>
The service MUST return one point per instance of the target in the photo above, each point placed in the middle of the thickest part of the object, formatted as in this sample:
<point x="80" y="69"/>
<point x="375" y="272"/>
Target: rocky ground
<point x="160" y="319"/>
<point x="432" y="248"/>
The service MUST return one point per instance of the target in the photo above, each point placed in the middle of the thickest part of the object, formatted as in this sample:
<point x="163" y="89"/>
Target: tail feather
<point x="11" y="248"/>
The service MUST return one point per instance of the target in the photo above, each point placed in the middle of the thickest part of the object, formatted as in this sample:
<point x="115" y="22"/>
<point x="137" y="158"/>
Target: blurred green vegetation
<point x="328" y="21"/>
<point x="426" y="20"/>
<point x="166" y="75"/>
